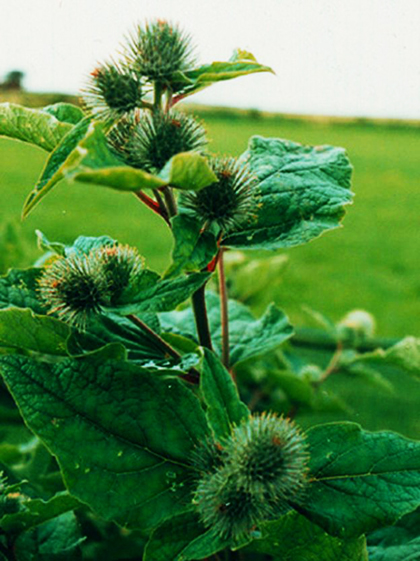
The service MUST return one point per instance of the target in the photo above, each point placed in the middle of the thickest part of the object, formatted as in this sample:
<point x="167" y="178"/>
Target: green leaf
<point x="183" y="538"/>
<point x="302" y="193"/>
<point x="37" y="511"/>
<point x="248" y="337"/>
<point x="123" y="437"/>
<point x="189" y="171"/>
<point x="93" y="162"/>
<point x="300" y="390"/>
<point x="35" y="126"/>
<point x="83" y="245"/>
<point x="193" y="249"/>
<point x="400" y="542"/>
<point x="360" y="480"/>
<point x="156" y="295"/>
<point x="112" y="328"/>
<point x="293" y="538"/>
<point x="22" y="328"/>
<point x="55" y="540"/>
<point x="405" y="354"/>
<point x="54" y="169"/>
<point x="249" y="276"/>
<point x="45" y="244"/>
<point x="18" y="288"/>
<point x="65" y="112"/>
<point x="369" y="375"/>
<point x="224" y="407"/>
<point x="241" y="63"/>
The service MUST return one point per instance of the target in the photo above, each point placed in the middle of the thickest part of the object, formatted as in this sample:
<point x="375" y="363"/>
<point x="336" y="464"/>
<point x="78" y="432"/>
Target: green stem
<point x="170" y="201"/>
<point x="193" y="374"/>
<point x="158" y="91"/>
<point x="322" y="341"/>
<point x="224" y="312"/>
<point x="201" y="319"/>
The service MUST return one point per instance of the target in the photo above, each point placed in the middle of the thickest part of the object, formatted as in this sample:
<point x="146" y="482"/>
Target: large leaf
<point x="359" y="480"/>
<point x="35" y="126"/>
<point x="400" y="542"/>
<point x="56" y="540"/>
<point x="293" y="538"/>
<point x="22" y="328"/>
<point x="112" y="328"/>
<point x="152" y="294"/>
<point x="224" y="407"/>
<point x="241" y="63"/>
<point x="193" y="249"/>
<point x="37" y="511"/>
<point x="183" y="538"/>
<point x="53" y="171"/>
<point x="18" y="288"/>
<point x="302" y="192"/>
<point x="123" y="437"/>
<point x="96" y="163"/>
<point x="247" y="336"/>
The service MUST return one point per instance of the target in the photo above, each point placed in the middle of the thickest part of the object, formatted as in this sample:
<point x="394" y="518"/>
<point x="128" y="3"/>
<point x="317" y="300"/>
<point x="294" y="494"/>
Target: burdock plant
<point x="157" y="418"/>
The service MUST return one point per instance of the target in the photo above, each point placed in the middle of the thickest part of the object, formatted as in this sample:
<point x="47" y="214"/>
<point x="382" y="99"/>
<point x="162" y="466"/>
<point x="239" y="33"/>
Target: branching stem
<point x="193" y="374"/>
<point x="201" y="319"/>
<point x="333" y="364"/>
<point x="157" y="207"/>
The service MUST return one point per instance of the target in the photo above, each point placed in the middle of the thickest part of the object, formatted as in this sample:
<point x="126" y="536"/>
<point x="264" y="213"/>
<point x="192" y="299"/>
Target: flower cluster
<point x="78" y="286"/>
<point x="155" y="52"/>
<point x="255" y="475"/>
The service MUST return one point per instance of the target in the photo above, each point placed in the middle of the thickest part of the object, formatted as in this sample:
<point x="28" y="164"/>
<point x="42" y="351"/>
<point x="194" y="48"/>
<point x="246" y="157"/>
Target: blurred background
<point x="347" y="74"/>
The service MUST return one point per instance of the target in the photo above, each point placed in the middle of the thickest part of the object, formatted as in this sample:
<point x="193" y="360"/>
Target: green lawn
<point x="370" y="263"/>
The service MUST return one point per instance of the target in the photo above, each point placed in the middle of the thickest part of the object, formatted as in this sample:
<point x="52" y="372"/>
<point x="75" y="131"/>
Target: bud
<point x="112" y="92"/>
<point x="228" y="509"/>
<point x="159" y="49"/>
<point x="74" y="289"/>
<point x="361" y="322"/>
<point x="120" y="265"/>
<point x="230" y="201"/>
<point x="150" y="140"/>
<point x="258" y="473"/>
<point x="270" y="457"/>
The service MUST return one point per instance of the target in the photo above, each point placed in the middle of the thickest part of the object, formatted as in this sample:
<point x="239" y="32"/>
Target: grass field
<point x="371" y="263"/>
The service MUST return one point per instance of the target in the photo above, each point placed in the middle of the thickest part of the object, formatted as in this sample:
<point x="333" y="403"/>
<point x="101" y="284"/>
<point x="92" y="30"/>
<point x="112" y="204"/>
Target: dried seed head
<point x="74" y="289"/>
<point x="112" y="92"/>
<point x="158" y="49"/>
<point x="150" y="140"/>
<point x="258" y="474"/>
<point x="230" y="201"/>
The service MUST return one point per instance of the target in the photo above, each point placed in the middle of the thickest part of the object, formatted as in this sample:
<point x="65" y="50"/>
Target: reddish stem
<point x="224" y="310"/>
<point x="153" y="205"/>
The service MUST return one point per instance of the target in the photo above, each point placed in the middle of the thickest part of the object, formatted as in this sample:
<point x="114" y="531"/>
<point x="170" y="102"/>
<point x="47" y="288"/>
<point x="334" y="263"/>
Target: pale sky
<point x="331" y="57"/>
